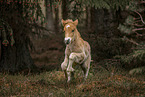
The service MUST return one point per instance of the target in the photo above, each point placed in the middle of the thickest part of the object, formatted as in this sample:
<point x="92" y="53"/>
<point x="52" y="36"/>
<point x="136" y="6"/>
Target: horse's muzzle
<point x="67" y="40"/>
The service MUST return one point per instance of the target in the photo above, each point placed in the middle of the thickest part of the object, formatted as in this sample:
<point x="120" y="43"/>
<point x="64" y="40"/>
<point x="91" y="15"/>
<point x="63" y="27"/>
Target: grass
<point x="100" y="83"/>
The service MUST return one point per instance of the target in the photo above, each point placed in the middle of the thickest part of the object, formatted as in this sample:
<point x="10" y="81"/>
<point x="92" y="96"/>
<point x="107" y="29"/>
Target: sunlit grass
<point x="100" y="83"/>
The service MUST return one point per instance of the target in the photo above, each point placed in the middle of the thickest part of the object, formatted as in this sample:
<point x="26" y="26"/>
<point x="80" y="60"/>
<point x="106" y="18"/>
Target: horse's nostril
<point x="67" y="41"/>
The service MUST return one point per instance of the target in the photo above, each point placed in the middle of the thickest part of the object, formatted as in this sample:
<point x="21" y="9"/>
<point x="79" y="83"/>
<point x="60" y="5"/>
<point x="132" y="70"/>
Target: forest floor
<point x="49" y="54"/>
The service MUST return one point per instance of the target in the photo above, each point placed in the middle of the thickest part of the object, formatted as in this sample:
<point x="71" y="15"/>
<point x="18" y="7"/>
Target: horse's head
<point x="69" y="29"/>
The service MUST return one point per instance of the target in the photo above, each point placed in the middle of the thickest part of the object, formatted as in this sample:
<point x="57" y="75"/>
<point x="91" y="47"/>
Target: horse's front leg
<point x="74" y="57"/>
<point x="70" y="70"/>
<point x="64" y="66"/>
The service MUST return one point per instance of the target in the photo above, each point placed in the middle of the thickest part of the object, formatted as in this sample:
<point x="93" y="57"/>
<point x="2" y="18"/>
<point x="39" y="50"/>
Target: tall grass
<point x="100" y="83"/>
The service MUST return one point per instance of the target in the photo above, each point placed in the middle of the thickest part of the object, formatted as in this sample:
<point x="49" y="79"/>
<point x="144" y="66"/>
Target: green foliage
<point x="135" y="57"/>
<point x="29" y="9"/>
<point x="107" y="4"/>
<point x="132" y="5"/>
<point x="118" y="4"/>
<point x="135" y="6"/>
<point x="127" y="27"/>
<point x="98" y="4"/>
<point x="130" y="20"/>
<point x="134" y="25"/>
<point x="81" y="5"/>
<point x="109" y="47"/>
<point x="139" y="70"/>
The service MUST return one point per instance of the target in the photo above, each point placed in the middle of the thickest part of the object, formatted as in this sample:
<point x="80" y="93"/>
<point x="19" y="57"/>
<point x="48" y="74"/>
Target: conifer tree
<point x="18" y="19"/>
<point x="133" y="29"/>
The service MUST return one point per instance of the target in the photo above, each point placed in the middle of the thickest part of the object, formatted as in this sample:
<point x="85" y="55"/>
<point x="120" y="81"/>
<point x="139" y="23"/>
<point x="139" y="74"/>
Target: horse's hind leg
<point x="85" y="67"/>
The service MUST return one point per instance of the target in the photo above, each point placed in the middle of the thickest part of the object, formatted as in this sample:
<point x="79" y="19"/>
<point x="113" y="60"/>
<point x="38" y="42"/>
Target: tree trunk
<point x="88" y="19"/>
<point x="57" y="20"/>
<point x="17" y="57"/>
<point x="105" y="22"/>
<point x="92" y="25"/>
<point x="49" y="16"/>
<point x="64" y="9"/>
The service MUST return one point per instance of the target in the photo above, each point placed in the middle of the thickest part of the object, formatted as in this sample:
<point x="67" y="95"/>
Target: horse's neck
<point x="77" y="40"/>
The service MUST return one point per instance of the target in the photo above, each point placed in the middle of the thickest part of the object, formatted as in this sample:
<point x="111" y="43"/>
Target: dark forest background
<point x="115" y="30"/>
<point x="31" y="35"/>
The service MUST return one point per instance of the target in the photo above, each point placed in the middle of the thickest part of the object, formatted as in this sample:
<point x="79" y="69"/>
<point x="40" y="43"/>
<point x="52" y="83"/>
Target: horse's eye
<point x="73" y="30"/>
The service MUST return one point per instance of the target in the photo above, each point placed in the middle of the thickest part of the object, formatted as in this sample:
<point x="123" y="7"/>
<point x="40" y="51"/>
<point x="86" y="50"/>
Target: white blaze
<point x="67" y="26"/>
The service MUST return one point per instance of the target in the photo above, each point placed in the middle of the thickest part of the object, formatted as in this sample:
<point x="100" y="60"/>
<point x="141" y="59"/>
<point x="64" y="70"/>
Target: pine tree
<point x="18" y="19"/>
<point x="133" y="28"/>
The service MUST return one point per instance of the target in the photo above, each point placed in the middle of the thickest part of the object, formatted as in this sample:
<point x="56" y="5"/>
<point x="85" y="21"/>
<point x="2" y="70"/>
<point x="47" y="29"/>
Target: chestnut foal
<point x="77" y="50"/>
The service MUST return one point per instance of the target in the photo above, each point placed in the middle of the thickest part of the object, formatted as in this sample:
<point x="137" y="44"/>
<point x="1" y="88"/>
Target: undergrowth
<point x="100" y="83"/>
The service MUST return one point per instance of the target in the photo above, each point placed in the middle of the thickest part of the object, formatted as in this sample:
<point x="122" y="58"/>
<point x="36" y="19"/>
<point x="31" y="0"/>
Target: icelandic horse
<point x="77" y="50"/>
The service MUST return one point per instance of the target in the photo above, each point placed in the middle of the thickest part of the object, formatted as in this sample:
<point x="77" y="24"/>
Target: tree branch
<point x="142" y="2"/>
<point x="130" y="40"/>
<point x="137" y="29"/>
<point x="140" y="16"/>
<point x="137" y="25"/>
<point x="139" y="34"/>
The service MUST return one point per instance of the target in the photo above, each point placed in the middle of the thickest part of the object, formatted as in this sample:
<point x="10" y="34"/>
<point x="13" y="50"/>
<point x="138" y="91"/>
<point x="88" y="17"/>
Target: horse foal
<point x="77" y="50"/>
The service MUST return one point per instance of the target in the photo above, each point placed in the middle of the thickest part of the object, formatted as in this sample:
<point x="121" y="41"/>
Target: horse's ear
<point x="63" y="22"/>
<point x="76" y="22"/>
